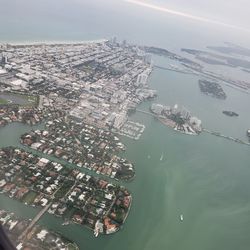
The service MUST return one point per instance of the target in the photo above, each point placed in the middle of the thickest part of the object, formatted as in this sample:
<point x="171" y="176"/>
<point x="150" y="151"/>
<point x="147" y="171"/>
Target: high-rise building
<point x="4" y="59"/>
<point x="114" y="40"/>
<point x="141" y="79"/>
<point x="148" y="58"/>
<point x="124" y="43"/>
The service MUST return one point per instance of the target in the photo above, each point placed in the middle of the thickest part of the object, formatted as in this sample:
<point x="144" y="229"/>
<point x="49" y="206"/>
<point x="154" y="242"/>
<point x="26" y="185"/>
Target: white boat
<point x="149" y="156"/>
<point x="96" y="233"/>
<point x="161" y="157"/>
<point x="181" y="217"/>
<point x="97" y="229"/>
<point x="65" y="223"/>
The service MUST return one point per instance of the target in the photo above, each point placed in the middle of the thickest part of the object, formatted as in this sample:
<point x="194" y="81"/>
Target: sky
<point x="234" y="13"/>
<point x="231" y="12"/>
<point x="181" y="20"/>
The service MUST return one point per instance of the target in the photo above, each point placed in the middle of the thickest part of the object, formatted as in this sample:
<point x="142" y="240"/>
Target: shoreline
<point x="166" y="122"/>
<point x="51" y="42"/>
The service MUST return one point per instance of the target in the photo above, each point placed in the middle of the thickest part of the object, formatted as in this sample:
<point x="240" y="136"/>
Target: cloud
<point x="185" y="15"/>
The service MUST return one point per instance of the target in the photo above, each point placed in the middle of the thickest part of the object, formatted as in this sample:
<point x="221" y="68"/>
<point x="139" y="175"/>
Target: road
<point x="22" y="237"/>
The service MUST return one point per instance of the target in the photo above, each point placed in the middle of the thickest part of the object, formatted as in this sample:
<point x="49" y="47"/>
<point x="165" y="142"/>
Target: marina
<point x="132" y="130"/>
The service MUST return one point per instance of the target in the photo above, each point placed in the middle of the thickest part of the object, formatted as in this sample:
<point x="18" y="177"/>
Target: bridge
<point x="23" y="236"/>
<point x="146" y="112"/>
<point x="172" y="69"/>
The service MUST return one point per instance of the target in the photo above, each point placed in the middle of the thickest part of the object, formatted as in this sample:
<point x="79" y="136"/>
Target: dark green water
<point x="205" y="178"/>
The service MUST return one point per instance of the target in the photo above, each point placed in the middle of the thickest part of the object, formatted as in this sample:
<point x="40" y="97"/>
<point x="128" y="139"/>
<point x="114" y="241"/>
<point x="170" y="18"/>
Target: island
<point x="39" y="238"/>
<point x="230" y="113"/>
<point x="63" y="191"/>
<point x="198" y="60"/>
<point x="83" y="145"/>
<point x="212" y="88"/>
<point x="177" y="118"/>
<point x="234" y="56"/>
<point x="77" y="98"/>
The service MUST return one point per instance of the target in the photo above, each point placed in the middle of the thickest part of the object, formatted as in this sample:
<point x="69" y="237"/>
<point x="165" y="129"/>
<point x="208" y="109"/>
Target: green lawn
<point x="67" y="185"/>
<point x="30" y="100"/>
<point x="3" y="101"/>
<point x="30" y="197"/>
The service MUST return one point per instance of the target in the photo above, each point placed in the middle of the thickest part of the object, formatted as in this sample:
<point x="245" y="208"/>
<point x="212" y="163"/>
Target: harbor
<point x="133" y="130"/>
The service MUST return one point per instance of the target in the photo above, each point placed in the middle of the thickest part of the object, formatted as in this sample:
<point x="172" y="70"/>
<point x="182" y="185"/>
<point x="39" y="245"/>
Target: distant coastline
<point x="49" y="42"/>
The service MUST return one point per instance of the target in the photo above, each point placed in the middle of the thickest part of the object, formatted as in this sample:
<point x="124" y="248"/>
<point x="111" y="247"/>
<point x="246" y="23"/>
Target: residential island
<point x="62" y="191"/>
<point x="83" y="145"/>
<point x="178" y="119"/>
<point x="39" y="238"/>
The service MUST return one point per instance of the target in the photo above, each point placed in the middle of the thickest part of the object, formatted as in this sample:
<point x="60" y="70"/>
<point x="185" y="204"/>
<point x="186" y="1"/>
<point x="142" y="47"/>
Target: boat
<point x="65" y="223"/>
<point x="181" y="217"/>
<point x="161" y="157"/>
<point x="248" y="133"/>
<point x="149" y="156"/>
<point x="96" y="232"/>
<point x="97" y="229"/>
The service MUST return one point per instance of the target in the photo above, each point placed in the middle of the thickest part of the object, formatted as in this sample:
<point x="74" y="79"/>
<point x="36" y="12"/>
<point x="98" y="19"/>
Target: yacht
<point x="161" y="157"/>
<point x="181" y="217"/>
<point x="96" y="232"/>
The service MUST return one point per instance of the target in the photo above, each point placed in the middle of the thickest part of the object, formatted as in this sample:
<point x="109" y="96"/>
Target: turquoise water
<point x="205" y="178"/>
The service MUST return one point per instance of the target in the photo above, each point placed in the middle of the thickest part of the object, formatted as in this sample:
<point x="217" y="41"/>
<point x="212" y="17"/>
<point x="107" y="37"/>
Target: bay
<point x="205" y="178"/>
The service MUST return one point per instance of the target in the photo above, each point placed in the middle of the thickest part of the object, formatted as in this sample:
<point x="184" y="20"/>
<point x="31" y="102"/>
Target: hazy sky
<point x="232" y="12"/>
<point x="90" y="19"/>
